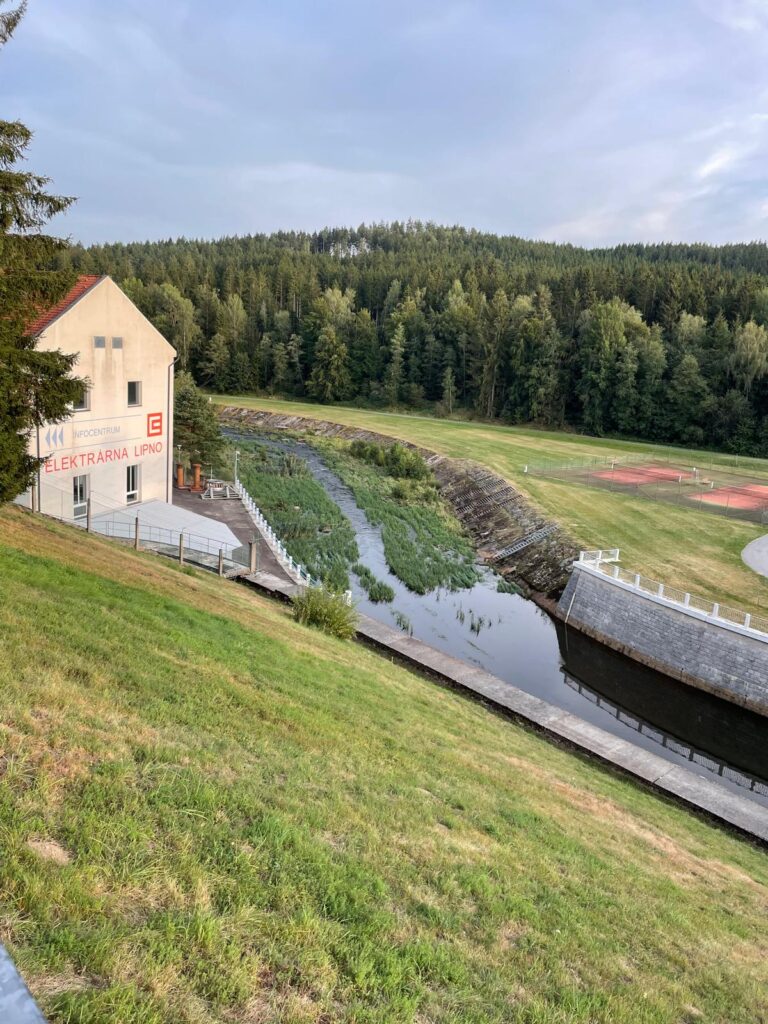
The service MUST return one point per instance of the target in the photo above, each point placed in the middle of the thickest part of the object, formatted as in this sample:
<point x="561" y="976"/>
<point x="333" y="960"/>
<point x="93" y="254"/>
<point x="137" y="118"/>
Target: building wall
<point x="102" y="441"/>
<point x="729" y="664"/>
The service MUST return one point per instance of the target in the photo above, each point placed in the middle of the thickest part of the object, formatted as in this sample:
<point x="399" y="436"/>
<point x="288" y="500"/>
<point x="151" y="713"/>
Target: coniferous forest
<point x="661" y="342"/>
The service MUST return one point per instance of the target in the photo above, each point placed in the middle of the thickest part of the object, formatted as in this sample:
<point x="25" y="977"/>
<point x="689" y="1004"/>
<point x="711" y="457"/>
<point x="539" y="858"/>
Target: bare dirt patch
<point x="49" y="849"/>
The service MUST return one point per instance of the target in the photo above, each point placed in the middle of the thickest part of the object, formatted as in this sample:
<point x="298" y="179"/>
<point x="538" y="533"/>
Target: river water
<point x="513" y="639"/>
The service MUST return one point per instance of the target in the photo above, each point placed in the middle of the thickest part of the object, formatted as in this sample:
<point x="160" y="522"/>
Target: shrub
<point x="396" y="460"/>
<point x="326" y="611"/>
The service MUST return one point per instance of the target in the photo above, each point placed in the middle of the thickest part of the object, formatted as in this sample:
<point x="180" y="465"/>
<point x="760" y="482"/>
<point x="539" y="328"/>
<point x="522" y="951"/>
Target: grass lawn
<point x="694" y="550"/>
<point x="212" y="814"/>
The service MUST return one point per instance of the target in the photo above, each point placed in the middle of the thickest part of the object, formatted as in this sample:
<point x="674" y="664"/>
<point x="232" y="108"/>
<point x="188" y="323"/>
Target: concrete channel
<point x="707" y="798"/>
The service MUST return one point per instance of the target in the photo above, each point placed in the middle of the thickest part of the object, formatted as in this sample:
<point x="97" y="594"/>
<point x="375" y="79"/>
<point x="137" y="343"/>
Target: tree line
<point x="662" y="342"/>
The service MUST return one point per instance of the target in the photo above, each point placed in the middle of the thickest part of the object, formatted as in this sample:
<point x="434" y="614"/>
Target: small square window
<point x="99" y="342"/>
<point x="82" y="403"/>
<point x="134" y="392"/>
<point x="117" y="343"/>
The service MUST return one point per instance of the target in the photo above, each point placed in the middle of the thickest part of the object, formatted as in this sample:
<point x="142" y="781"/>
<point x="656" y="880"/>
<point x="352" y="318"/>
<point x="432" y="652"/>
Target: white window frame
<point x="80" y="491"/>
<point x="132" y="493"/>
<point x="139" y="390"/>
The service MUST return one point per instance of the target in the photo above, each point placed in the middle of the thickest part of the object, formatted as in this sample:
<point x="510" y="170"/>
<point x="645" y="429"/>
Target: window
<point x="117" y="343"/>
<point x="132" y="484"/>
<point x="99" y="342"/>
<point x="80" y="496"/>
<point x="83" y="402"/>
<point x="134" y="392"/>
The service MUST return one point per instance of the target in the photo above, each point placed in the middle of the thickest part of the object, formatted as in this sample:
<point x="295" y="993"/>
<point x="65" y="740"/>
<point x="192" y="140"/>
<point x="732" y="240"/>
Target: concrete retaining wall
<point x="701" y="653"/>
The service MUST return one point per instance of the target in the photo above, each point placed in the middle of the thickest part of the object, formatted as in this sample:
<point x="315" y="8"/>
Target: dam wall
<point x="727" y="659"/>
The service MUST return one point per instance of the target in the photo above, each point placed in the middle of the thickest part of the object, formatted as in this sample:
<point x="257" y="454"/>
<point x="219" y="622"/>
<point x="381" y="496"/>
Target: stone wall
<point x="494" y="513"/>
<point x="695" y="651"/>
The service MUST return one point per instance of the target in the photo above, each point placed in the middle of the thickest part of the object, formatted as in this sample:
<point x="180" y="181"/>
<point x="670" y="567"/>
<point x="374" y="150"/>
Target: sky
<point x="584" y="121"/>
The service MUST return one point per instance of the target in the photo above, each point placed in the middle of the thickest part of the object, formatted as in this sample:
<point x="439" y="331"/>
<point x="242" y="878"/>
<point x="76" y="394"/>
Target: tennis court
<point x="717" y="489"/>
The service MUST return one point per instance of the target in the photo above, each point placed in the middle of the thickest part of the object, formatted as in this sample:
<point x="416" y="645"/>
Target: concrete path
<point x="673" y="780"/>
<point x="16" y="1004"/>
<point x="231" y="515"/>
<point x="755" y="555"/>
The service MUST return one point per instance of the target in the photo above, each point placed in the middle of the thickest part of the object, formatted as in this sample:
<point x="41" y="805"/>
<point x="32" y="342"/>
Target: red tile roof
<point x="84" y="283"/>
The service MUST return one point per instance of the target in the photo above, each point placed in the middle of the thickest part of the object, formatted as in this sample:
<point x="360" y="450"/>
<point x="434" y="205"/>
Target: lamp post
<point x="237" y="453"/>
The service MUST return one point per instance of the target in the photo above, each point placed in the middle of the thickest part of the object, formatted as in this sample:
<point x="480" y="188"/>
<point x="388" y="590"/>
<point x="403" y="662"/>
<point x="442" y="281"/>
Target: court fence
<point x="737" y="492"/>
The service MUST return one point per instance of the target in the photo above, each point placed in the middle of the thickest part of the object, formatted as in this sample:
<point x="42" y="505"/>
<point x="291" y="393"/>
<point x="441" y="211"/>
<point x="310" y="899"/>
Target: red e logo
<point x="154" y="424"/>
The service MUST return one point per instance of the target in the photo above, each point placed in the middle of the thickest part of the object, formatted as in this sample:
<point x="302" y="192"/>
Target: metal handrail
<point x="604" y="562"/>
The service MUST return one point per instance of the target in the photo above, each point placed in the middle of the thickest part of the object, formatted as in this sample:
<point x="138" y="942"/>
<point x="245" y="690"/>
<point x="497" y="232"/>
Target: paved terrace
<point x="231" y="513"/>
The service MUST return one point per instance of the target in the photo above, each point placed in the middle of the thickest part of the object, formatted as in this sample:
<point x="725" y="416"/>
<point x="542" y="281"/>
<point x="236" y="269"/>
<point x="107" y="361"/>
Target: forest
<point x="661" y="342"/>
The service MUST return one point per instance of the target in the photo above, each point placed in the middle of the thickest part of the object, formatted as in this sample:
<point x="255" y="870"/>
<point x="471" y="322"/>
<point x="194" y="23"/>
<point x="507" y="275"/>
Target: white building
<point x="116" y="449"/>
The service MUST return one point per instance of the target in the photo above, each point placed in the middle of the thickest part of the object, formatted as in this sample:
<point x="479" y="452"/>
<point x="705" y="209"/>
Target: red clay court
<point x="751" y="496"/>
<point x="644" y="474"/>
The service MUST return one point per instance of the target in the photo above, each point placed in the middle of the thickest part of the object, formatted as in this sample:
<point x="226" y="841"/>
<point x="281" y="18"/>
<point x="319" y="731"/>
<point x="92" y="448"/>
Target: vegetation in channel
<point x="505" y="586"/>
<point x="423" y="543"/>
<point x="377" y="590"/>
<point x="311" y="525"/>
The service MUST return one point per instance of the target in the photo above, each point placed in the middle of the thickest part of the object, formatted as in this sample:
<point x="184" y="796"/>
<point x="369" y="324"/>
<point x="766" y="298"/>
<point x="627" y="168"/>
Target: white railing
<point x="298" y="573"/>
<point x="675" y="597"/>
<point x="595" y="557"/>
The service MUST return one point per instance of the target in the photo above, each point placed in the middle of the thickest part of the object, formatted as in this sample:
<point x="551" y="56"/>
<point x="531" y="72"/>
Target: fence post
<point x="136" y="534"/>
<point x="221" y="561"/>
<point x="88" y="515"/>
<point x="181" y="549"/>
<point x="253" y="554"/>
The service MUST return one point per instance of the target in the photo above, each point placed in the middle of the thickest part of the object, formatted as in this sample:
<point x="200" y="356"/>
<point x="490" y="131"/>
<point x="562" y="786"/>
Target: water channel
<point x="510" y="637"/>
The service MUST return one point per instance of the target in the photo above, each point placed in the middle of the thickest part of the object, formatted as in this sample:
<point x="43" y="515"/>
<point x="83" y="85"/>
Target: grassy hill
<point x="694" y="550"/>
<point x="209" y="813"/>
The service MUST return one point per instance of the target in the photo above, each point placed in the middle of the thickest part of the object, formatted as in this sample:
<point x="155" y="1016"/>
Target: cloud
<point x="745" y="16"/>
<point x="589" y="123"/>
<point x="720" y="160"/>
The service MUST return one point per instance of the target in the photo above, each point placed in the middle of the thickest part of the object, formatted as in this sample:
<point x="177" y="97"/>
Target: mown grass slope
<point x="696" y="551"/>
<point x="209" y="813"/>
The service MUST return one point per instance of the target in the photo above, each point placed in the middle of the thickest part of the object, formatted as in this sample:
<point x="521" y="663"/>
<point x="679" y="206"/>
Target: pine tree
<point x="35" y="386"/>
<point x="393" y="378"/>
<point x="449" y="389"/>
<point x="195" y="426"/>
<point x="330" y="375"/>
